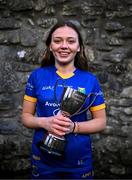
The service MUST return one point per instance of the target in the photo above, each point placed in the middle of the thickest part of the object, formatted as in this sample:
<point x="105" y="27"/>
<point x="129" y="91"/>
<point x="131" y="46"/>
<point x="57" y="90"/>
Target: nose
<point x="64" y="45"/>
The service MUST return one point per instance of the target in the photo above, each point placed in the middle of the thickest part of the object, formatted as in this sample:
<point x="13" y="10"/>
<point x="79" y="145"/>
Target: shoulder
<point x="87" y="75"/>
<point x="42" y="70"/>
<point x="89" y="78"/>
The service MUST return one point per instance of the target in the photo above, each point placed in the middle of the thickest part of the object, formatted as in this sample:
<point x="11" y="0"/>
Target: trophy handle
<point x="79" y="112"/>
<point x="56" y="111"/>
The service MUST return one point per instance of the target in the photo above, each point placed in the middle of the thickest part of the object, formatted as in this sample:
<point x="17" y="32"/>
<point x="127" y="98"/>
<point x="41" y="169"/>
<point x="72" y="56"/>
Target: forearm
<point x="30" y="121"/>
<point x="91" y="126"/>
<point x="58" y="125"/>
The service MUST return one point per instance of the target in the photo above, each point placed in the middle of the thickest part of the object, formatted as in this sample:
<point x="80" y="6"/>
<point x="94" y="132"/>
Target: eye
<point x="57" y="41"/>
<point x="71" y="41"/>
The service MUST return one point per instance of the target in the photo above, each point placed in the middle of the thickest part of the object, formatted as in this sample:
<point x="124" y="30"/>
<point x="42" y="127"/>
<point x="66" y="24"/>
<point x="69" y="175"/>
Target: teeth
<point x="64" y="53"/>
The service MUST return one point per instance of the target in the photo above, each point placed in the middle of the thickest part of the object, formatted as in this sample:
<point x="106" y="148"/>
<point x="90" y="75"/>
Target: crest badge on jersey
<point x="82" y="90"/>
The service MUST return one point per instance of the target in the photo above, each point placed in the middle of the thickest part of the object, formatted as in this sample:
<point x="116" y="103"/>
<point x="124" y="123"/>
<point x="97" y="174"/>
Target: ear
<point x="50" y="48"/>
<point x="78" y="49"/>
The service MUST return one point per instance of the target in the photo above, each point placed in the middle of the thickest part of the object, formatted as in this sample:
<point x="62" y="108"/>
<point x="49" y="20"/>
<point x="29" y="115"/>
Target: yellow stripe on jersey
<point x="99" y="107"/>
<point x="29" y="98"/>
<point x="65" y="76"/>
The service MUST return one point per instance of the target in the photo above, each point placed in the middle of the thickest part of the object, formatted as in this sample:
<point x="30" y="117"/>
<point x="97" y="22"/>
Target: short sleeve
<point x="98" y="97"/>
<point x="30" y="90"/>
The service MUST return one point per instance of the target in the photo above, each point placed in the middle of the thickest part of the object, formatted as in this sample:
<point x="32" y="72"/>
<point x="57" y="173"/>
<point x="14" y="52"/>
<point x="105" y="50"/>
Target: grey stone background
<point x="106" y="26"/>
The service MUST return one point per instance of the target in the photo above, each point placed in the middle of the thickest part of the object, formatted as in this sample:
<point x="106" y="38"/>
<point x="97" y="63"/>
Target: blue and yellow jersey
<point x="43" y="90"/>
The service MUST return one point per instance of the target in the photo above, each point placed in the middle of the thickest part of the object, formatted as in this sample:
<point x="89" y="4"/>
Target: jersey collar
<point x="65" y="76"/>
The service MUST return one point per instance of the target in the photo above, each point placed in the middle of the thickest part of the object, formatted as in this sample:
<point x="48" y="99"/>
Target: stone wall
<point x="106" y="26"/>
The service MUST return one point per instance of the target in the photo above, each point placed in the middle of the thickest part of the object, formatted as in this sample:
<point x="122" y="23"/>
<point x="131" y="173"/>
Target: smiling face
<point x="64" y="45"/>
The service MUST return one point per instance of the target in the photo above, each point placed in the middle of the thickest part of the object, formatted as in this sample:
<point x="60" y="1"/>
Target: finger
<point x="62" y="123"/>
<point x="59" y="133"/>
<point x="63" y="118"/>
<point x="61" y="128"/>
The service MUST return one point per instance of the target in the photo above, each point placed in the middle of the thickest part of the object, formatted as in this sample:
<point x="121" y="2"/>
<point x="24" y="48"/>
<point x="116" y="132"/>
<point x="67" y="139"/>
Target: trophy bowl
<point x="71" y="103"/>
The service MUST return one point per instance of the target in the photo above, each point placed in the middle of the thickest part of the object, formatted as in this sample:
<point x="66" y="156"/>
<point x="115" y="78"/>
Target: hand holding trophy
<point x="72" y="102"/>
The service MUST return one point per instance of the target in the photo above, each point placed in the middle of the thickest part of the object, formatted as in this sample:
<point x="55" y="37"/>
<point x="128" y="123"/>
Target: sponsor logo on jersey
<point x="47" y="88"/>
<point x="52" y="104"/>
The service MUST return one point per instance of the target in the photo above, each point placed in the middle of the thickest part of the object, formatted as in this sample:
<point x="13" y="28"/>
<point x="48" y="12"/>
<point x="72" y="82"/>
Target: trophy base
<point x="53" y="145"/>
<point x="49" y="150"/>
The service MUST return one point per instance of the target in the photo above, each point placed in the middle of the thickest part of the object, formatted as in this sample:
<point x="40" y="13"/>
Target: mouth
<point x="64" y="54"/>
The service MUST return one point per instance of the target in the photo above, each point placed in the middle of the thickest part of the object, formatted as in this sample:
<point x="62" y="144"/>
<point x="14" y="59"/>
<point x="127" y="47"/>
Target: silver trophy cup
<point x="72" y="102"/>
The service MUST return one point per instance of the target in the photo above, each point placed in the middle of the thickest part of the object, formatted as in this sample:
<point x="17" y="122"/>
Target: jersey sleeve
<point x="30" y="90"/>
<point x="97" y="99"/>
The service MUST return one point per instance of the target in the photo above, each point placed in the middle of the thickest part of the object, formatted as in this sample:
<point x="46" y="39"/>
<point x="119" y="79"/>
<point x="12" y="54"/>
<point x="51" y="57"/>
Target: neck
<point x="65" y="69"/>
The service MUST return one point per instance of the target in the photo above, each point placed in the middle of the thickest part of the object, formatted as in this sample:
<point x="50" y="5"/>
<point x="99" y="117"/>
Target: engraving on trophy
<point x="72" y="101"/>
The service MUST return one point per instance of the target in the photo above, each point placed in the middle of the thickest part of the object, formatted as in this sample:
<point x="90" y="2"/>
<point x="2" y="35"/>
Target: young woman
<point x="64" y="59"/>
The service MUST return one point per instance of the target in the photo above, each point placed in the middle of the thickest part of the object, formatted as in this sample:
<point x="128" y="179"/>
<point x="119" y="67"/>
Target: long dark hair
<point x="48" y="59"/>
